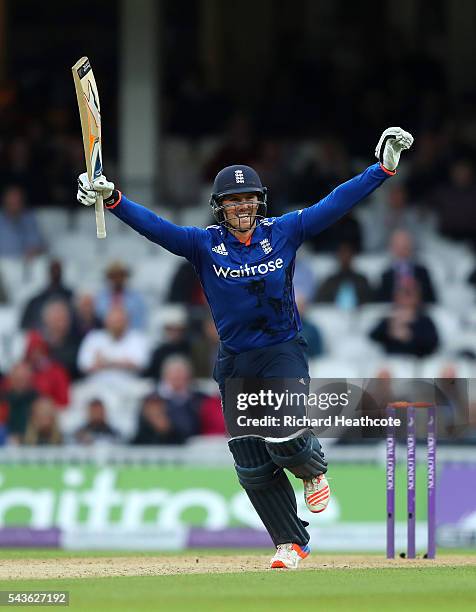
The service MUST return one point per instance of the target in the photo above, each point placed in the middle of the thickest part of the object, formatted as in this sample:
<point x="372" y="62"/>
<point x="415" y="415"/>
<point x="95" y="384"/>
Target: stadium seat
<point x="322" y="265"/>
<point x="333" y="323"/>
<point x="154" y="274"/>
<point x="356" y="347"/>
<point x="371" y="266"/>
<point x="434" y="367"/>
<point x="159" y="315"/>
<point x="448" y="326"/>
<point x="328" y="367"/>
<point x="71" y="244"/>
<point x="84" y="223"/>
<point x="14" y="274"/>
<point x="396" y="367"/>
<point x="369" y="315"/>
<point x="457" y="297"/>
<point x="180" y="169"/>
<point x="198" y="215"/>
<point x="469" y="320"/>
<point x="53" y="222"/>
<point x="122" y="408"/>
<point x="82" y="393"/>
<point x="464" y="343"/>
<point x="25" y="278"/>
<point x="8" y="326"/>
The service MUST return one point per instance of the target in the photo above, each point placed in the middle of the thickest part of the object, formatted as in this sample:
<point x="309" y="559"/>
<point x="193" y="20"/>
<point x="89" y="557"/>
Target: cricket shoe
<point x="317" y="493"/>
<point x="288" y="556"/>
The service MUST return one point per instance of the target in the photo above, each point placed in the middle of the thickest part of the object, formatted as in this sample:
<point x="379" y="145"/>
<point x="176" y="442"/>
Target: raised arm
<point x="179" y="240"/>
<point x="310" y="221"/>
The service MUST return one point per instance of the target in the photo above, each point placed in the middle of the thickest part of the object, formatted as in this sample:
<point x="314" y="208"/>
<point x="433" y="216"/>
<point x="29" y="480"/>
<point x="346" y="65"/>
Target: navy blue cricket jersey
<point x="250" y="287"/>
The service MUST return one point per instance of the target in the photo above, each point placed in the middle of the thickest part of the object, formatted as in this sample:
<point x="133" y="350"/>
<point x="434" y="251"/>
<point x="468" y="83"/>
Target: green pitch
<point x="382" y="589"/>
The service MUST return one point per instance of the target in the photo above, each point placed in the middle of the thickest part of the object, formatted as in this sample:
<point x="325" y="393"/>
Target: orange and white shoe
<point x="288" y="556"/>
<point x="317" y="493"/>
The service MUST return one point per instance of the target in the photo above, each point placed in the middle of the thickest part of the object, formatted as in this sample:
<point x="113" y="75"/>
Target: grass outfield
<point x="57" y="553"/>
<point x="419" y="587"/>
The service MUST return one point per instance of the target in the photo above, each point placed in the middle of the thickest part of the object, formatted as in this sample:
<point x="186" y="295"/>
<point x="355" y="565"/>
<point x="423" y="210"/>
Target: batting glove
<point x="88" y="192"/>
<point x="392" y="142"/>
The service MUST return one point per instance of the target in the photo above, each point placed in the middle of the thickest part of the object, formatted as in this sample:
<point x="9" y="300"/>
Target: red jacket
<point x="50" y="378"/>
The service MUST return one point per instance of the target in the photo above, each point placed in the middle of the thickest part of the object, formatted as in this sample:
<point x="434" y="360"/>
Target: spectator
<point x="211" y="418"/>
<point x="117" y="293"/>
<point x="389" y="215"/>
<point x="454" y="202"/>
<point x="408" y="330"/>
<point x="183" y="404"/>
<point x="327" y="167"/>
<point x="50" y="378"/>
<point x="113" y="355"/>
<point x="18" y="397"/>
<point x="175" y="340"/>
<point x="96" y="429"/>
<point x="59" y="335"/>
<point x="404" y="270"/>
<point x="347" y="229"/>
<point x="85" y="317"/>
<point x="310" y="331"/>
<point x="453" y="405"/>
<point x="304" y="280"/>
<point x="273" y="168"/>
<point x="18" y="167"/>
<point x="376" y="394"/>
<point x="19" y="232"/>
<point x="204" y="348"/>
<point x="427" y="165"/>
<point x="346" y="288"/>
<point x="42" y="427"/>
<point x="155" y="425"/>
<point x="238" y="144"/>
<point x="54" y="290"/>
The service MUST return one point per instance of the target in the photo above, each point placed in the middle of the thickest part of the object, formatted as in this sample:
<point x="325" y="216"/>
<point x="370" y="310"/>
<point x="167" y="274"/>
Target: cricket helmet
<point x="237" y="179"/>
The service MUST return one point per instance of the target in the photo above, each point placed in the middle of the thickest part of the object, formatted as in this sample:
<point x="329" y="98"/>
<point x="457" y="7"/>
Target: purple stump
<point x="390" y="414"/>
<point x="431" y="462"/>
<point x="411" y="472"/>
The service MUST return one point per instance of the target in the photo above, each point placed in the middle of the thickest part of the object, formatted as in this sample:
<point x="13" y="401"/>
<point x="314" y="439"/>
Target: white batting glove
<point x="392" y="142"/>
<point x="88" y="192"/>
<point x="103" y="187"/>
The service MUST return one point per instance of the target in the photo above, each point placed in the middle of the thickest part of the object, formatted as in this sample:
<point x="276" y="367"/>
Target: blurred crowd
<point x="71" y="337"/>
<point x="302" y="146"/>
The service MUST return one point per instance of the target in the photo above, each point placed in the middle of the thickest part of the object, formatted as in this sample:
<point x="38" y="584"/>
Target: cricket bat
<point x="90" y="114"/>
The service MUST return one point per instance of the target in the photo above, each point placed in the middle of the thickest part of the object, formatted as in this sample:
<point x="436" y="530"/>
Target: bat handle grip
<point x="100" y="221"/>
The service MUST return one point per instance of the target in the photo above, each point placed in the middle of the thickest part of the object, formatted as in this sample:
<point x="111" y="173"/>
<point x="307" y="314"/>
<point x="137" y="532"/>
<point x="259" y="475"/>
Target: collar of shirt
<point x="255" y="237"/>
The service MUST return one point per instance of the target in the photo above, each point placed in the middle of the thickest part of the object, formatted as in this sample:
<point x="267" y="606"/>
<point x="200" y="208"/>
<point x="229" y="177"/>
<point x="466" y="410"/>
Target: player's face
<point x="240" y="210"/>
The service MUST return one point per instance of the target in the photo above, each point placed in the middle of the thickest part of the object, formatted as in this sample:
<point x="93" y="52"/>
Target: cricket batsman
<point x="246" y="263"/>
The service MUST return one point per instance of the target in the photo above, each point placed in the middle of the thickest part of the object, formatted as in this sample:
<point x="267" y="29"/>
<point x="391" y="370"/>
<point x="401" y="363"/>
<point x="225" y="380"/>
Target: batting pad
<point x="269" y="490"/>
<point x="300" y="453"/>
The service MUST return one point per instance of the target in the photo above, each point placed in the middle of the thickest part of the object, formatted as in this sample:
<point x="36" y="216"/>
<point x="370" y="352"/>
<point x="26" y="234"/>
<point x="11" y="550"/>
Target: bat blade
<point x="87" y="96"/>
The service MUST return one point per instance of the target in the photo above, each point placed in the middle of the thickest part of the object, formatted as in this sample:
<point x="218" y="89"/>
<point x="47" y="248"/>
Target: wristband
<point x="113" y="200"/>
<point x="387" y="171"/>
